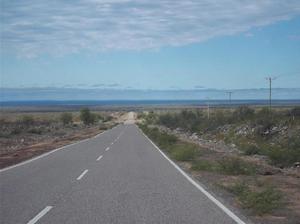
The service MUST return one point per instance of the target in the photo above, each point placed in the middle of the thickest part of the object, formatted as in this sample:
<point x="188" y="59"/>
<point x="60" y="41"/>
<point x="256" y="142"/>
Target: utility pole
<point x="270" y="79"/>
<point x="229" y="94"/>
<point x="208" y="109"/>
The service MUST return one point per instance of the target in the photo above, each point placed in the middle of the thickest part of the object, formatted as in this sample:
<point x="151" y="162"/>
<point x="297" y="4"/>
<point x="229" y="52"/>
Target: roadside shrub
<point x="106" y="118"/>
<point x="283" y="157"/>
<point x="236" y="166"/>
<point x="86" y="116"/>
<point x="183" y="152"/>
<point x="151" y="118"/>
<point x="168" y="120"/>
<point x="295" y="111"/>
<point x="27" y="120"/>
<point x="265" y="119"/>
<point x="293" y="142"/>
<point x="163" y="139"/>
<point x="16" y="131"/>
<point x="239" y="188"/>
<point x="250" y="149"/>
<point x="66" y="118"/>
<point x="2" y="121"/>
<point x="220" y="118"/>
<point x="260" y="202"/>
<point x="243" y="113"/>
<point x="204" y="165"/>
<point x="36" y="131"/>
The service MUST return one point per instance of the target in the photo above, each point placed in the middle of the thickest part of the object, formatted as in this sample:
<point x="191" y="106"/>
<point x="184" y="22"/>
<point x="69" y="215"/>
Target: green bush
<point x="163" y="139"/>
<point x="250" y="149"/>
<point x="27" y="120"/>
<point x="183" y="152"/>
<point x="204" y="165"/>
<point x="293" y="142"/>
<point x="66" y="118"/>
<point x="283" y="157"/>
<point x="260" y="202"/>
<point x="86" y="116"/>
<point x="265" y="119"/>
<point x="239" y="188"/>
<point x="151" y="118"/>
<point x="37" y="131"/>
<point x="178" y="150"/>
<point x="168" y="120"/>
<point x="236" y="166"/>
<point x="243" y="113"/>
<point x="295" y="111"/>
<point x="16" y="131"/>
<point x="106" y="118"/>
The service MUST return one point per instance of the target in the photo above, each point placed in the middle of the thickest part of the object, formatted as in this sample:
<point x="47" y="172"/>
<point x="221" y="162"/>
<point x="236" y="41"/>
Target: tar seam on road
<point x="50" y="152"/>
<point x="100" y="157"/>
<point x="206" y="193"/>
<point x="40" y="215"/>
<point x="81" y="175"/>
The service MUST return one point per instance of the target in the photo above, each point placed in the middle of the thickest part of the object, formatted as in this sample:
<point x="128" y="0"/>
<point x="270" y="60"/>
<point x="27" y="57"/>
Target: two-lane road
<point x="116" y="177"/>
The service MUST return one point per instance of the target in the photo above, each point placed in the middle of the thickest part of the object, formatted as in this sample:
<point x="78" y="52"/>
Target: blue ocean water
<point x="144" y="102"/>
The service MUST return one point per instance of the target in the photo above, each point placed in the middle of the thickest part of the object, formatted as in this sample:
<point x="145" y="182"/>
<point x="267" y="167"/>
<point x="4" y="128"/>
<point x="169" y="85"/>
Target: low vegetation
<point x="236" y="166"/>
<point x="66" y="118"/>
<point x="272" y="133"/>
<point x="177" y="149"/>
<point x="25" y="134"/>
<point x="87" y="117"/>
<point x="259" y="199"/>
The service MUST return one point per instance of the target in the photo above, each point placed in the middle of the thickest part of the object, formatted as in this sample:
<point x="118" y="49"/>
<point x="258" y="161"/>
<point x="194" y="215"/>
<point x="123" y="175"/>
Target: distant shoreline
<point x="71" y="105"/>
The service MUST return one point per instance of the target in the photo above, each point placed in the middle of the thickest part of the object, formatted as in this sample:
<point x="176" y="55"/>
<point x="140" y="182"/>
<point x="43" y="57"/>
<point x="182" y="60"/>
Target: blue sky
<point x="158" y="45"/>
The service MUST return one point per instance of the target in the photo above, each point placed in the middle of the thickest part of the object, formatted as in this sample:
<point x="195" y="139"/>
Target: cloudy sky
<point x="150" y="44"/>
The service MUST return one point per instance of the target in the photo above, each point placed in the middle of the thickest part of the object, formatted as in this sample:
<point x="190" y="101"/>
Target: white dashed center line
<point x="40" y="215"/>
<point x="100" y="157"/>
<point x="107" y="149"/>
<point x="81" y="175"/>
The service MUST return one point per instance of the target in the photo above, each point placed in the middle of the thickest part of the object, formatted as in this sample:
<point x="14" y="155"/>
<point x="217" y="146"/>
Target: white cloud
<point x="35" y="27"/>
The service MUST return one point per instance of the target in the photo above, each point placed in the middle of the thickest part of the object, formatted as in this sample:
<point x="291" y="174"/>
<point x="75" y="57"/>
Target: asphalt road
<point x="116" y="177"/>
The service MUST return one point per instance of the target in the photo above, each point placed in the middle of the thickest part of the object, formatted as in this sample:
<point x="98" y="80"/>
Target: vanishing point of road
<point x="118" y="176"/>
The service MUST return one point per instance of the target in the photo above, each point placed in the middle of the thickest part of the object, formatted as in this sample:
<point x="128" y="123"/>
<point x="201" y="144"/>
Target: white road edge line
<point x="107" y="149"/>
<point x="81" y="175"/>
<point x="50" y="152"/>
<point x="206" y="193"/>
<point x="40" y="215"/>
<point x="100" y="157"/>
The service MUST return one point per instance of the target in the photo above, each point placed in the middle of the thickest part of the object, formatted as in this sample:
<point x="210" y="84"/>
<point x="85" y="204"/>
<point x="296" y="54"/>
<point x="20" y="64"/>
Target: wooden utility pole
<point x="270" y="79"/>
<point x="229" y="94"/>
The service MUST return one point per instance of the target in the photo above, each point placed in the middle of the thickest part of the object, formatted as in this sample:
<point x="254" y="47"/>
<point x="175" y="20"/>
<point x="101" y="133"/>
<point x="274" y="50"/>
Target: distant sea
<point x="139" y="103"/>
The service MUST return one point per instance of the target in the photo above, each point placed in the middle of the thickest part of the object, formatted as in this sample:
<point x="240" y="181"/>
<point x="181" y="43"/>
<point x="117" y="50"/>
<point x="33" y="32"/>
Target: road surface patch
<point x="50" y="152"/>
<point x="206" y="193"/>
